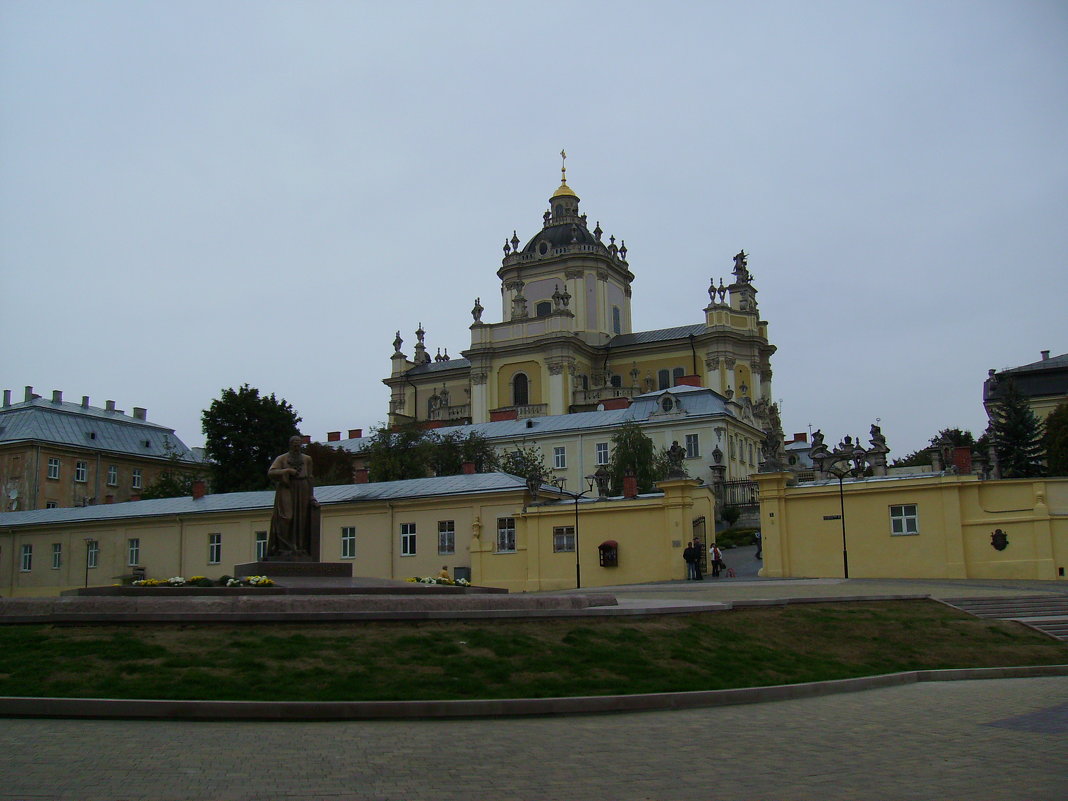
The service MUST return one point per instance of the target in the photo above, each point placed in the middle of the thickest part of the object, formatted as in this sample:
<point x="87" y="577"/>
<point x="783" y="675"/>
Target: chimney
<point x="199" y="489"/>
<point x="305" y="439"/>
<point x="140" y="413"/>
<point x="109" y="406"/>
<point x="135" y="497"/>
<point x="57" y="396"/>
<point x="469" y="468"/>
<point x="360" y="474"/>
<point x="802" y="437"/>
<point x="109" y="499"/>
<point x="689" y="381"/>
<point x="1045" y="355"/>
<point x="85" y="401"/>
<point x="630" y="485"/>
<point x="29" y="393"/>
<point x="962" y="459"/>
<point x="355" y="433"/>
<point x="7" y="397"/>
<point x="333" y="436"/>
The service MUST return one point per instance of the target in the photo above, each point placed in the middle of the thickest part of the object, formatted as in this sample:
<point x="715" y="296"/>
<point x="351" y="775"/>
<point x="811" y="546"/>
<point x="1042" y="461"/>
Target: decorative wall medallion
<point x="999" y="540"/>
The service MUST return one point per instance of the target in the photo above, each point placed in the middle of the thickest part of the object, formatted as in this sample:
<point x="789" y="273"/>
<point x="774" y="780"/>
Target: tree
<point x="1017" y="434"/>
<point x="447" y="454"/>
<point x="634" y="452"/>
<point x="525" y="461"/>
<point x="175" y="480"/>
<point x="397" y="455"/>
<point x="331" y="465"/>
<point x="955" y="437"/>
<point x="1056" y="441"/>
<point x="245" y="432"/>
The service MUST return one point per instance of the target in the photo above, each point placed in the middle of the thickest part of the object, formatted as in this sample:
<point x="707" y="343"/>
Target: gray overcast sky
<point x="197" y="195"/>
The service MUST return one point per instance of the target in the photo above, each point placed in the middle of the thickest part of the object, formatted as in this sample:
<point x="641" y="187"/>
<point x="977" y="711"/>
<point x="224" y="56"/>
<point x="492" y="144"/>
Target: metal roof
<point x="692" y="401"/>
<point x="89" y="427"/>
<point x="434" y="367"/>
<point x="1052" y="363"/>
<point x="264" y="500"/>
<point x="660" y="335"/>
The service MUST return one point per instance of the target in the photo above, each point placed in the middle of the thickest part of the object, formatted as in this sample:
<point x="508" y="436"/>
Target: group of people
<point x="692" y="556"/>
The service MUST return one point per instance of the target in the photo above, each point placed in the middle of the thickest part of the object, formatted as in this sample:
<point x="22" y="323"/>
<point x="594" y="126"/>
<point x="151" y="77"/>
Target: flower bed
<point x="203" y="581"/>
<point x="441" y="580"/>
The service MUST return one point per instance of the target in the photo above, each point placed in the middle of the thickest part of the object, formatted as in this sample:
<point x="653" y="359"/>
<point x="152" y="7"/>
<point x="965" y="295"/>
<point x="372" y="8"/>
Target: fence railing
<point x="739" y="493"/>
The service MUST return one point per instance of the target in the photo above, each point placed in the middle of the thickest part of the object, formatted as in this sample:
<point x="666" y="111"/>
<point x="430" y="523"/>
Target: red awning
<point x="609" y="544"/>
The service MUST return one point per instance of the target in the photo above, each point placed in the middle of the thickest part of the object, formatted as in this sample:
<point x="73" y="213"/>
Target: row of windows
<point x="81" y="473"/>
<point x="693" y="451"/>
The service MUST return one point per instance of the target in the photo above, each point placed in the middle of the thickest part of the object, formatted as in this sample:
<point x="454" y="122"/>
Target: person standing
<point x="759" y="544"/>
<point x="715" y="556"/>
<point x="689" y="555"/>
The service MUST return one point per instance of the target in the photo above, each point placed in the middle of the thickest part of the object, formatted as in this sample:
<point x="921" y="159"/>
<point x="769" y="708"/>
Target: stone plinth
<point x="275" y="570"/>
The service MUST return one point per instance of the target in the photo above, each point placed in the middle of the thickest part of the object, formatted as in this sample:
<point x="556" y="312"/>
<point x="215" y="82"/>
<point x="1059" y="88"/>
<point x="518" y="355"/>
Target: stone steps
<point x="1047" y="613"/>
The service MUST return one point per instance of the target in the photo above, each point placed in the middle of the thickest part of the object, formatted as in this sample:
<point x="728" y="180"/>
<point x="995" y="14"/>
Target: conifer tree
<point x="1017" y="435"/>
<point x="633" y="451"/>
<point x="1056" y="441"/>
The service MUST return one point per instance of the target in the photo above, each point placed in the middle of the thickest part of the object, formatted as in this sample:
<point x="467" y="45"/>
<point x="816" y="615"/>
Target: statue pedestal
<point x="295" y="569"/>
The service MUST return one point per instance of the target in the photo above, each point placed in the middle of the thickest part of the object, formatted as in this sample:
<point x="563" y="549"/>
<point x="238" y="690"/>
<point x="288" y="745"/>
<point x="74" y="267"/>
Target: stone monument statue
<point x="675" y="454"/>
<point x="293" y="519"/>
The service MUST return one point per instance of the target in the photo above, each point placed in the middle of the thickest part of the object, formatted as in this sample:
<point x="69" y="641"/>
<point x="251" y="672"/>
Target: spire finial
<point x="563" y="166"/>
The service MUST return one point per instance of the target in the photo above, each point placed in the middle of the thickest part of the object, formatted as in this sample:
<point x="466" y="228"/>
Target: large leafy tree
<point x="525" y="461"/>
<point x="446" y="454"/>
<point x="331" y="465"/>
<point x="245" y="431"/>
<point x="1017" y="434"/>
<point x="633" y="451"/>
<point x="394" y="455"/>
<point x="955" y="437"/>
<point x="175" y="480"/>
<point x="1056" y="441"/>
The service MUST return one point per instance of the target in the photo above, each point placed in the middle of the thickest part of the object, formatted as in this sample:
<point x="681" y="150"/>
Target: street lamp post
<point x="840" y="473"/>
<point x="559" y="484"/>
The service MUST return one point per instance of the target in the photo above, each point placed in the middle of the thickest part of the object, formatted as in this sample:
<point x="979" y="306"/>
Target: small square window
<point x="904" y="519"/>
<point x="81" y="472"/>
<point x="407" y="539"/>
<point x="53" y="467"/>
<point x="693" y="446"/>
<point x="446" y="536"/>
<point x="51" y="505"/>
<point x="602" y="453"/>
<point x="563" y="539"/>
<point x="505" y="535"/>
<point x="559" y="458"/>
<point x="348" y="542"/>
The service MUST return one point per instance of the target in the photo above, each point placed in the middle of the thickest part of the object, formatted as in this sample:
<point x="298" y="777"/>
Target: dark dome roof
<point x="561" y="235"/>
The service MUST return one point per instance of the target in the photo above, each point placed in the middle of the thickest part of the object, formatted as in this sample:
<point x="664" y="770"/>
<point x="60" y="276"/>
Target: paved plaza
<point x="989" y="739"/>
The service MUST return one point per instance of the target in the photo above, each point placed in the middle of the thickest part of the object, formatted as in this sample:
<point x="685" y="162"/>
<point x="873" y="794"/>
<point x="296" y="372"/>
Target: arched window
<point x="676" y="374"/>
<point x="520" y="396"/>
<point x="663" y="378"/>
<point x="585" y="381"/>
<point x="544" y="308"/>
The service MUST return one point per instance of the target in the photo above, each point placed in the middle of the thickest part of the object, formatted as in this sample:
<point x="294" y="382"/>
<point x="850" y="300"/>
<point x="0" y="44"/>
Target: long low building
<point x="485" y="527"/>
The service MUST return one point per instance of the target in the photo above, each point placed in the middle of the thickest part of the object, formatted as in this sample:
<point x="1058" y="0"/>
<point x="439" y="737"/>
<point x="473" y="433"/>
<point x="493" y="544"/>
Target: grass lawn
<point x="507" y="658"/>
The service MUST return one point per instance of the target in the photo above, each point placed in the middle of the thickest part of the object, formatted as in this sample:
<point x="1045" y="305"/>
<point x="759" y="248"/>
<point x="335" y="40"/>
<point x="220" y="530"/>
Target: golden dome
<point x="564" y="191"/>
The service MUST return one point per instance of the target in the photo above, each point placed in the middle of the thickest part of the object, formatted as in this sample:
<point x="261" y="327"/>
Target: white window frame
<point x="408" y="539"/>
<point x="136" y="478"/>
<point x="215" y="548"/>
<point x="113" y="475"/>
<point x="563" y="539"/>
<point x="348" y="542"/>
<point x="57" y="555"/>
<point x="81" y="472"/>
<point x="261" y="545"/>
<point x="26" y="561"/>
<point x="903" y="517"/>
<point x="92" y="553"/>
<point x="601" y="449"/>
<point x="51" y="504"/>
<point x="693" y="446"/>
<point x="133" y="551"/>
<point x="53" y="468"/>
<point x="446" y="537"/>
<point x="559" y="457"/>
<point x="505" y="535"/>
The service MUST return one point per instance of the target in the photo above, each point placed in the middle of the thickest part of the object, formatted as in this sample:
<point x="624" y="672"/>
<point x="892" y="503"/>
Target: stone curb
<point x="404" y="710"/>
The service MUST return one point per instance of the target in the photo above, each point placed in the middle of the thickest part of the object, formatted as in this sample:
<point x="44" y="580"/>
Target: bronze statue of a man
<point x="292" y="521"/>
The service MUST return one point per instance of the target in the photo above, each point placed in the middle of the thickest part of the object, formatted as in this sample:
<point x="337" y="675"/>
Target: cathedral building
<point x="565" y="345"/>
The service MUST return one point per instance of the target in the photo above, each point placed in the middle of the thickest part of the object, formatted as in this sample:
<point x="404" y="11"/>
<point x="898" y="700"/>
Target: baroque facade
<point x="565" y="346"/>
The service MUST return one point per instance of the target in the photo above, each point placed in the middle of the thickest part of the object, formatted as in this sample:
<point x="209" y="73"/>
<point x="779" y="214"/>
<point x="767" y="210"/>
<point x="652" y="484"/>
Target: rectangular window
<point x="53" y="467"/>
<point x="904" y="519"/>
<point x="51" y="505"/>
<point x="133" y="551"/>
<point x="113" y="476"/>
<point x="563" y="539"/>
<point x="693" y="446"/>
<point x="26" y="565"/>
<point x="407" y="539"/>
<point x="136" y="480"/>
<point x="602" y="453"/>
<point x="505" y="535"/>
<point x="261" y="545"/>
<point x="92" y="553"/>
<point x="348" y="542"/>
<point x="446" y="536"/>
<point x="559" y="458"/>
<point x="81" y="472"/>
<point x="57" y="555"/>
<point x="214" y="549"/>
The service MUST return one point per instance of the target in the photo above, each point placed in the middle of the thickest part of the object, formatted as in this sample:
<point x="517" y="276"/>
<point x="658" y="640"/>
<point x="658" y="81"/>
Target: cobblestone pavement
<point x="1003" y="739"/>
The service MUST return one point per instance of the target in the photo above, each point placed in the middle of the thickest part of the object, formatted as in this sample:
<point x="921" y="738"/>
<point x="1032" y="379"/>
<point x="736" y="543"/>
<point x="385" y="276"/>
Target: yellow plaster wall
<point x="956" y="517"/>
